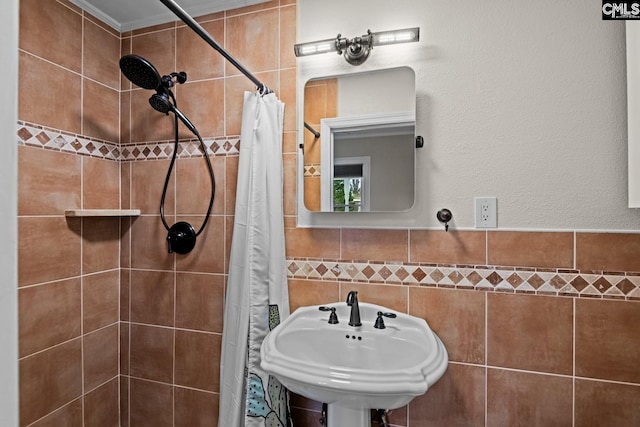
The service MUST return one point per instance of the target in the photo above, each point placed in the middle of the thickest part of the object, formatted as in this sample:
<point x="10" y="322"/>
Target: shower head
<point x="160" y="102"/>
<point x="140" y="71"/>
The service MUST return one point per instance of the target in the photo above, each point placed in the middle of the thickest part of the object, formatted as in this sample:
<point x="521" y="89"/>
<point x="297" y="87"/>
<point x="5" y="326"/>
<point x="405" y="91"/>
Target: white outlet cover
<point x="486" y="212"/>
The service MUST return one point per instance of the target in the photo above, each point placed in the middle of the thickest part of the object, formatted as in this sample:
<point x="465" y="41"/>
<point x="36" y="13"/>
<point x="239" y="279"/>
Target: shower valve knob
<point x="181" y="238"/>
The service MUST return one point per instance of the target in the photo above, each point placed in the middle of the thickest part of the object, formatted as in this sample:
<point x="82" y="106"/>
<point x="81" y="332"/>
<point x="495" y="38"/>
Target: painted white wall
<point x="524" y="101"/>
<point x="360" y="93"/>
<point x="8" y="216"/>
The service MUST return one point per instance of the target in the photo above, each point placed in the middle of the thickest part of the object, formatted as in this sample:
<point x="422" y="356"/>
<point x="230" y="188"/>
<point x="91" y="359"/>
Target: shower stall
<point x="114" y="329"/>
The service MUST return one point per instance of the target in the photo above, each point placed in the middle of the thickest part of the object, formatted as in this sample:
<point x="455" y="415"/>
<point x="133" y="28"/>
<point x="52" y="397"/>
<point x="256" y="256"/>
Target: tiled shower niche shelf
<point x="101" y="212"/>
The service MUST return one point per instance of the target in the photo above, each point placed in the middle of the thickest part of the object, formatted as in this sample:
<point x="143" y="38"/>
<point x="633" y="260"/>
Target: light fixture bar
<point x="357" y="50"/>
<point x="407" y="35"/>
<point x="314" y="48"/>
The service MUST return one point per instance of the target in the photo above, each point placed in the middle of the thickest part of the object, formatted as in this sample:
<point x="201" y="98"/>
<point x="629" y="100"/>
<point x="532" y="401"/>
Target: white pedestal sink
<point x="354" y="369"/>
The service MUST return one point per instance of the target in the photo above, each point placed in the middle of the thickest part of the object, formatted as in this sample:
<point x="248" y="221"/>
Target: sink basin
<point x="354" y="367"/>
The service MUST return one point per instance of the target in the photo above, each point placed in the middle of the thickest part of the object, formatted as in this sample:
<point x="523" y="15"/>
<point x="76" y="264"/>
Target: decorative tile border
<point x="312" y="170"/>
<point x="573" y="283"/>
<point x="220" y="146"/>
<point x="54" y="139"/>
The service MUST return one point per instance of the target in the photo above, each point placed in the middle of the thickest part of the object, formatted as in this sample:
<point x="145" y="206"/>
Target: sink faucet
<point x="352" y="301"/>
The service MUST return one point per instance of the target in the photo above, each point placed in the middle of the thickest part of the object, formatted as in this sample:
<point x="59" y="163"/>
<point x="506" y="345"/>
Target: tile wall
<point x="172" y="305"/>
<point x="68" y="267"/>
<point x="540" y="327"/>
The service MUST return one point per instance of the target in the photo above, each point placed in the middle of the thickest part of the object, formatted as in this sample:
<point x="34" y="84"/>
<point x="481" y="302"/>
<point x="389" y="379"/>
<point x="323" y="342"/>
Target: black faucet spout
<point x="352" y="301"/>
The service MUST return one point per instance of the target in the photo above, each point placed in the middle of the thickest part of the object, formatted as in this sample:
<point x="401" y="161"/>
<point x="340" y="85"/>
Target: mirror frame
<point x="310" y="68"/>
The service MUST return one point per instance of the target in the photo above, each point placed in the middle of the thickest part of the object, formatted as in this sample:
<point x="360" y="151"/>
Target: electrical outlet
<point x="486" y="212"/>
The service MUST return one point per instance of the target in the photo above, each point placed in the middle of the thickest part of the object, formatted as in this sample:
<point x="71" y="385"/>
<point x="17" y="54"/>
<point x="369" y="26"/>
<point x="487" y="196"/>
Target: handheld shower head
<point x="160" y="102"/>
<point x="140" y="72"/>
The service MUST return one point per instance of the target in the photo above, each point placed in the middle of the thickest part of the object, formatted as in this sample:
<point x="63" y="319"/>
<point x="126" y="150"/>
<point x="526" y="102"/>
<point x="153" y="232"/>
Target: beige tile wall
<point x="539" y="326"/>
<point x="68" y="280"/>
<point x="172" y="305"/>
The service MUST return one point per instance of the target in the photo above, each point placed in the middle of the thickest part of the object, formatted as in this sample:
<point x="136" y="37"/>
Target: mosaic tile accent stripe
<point x="312" y="170"/>
<point x="573" y="283"/>
<point x="54" y="139"/>
<point x="186" y="148"/>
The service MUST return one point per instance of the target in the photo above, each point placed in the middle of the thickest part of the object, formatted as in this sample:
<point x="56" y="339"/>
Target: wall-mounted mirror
<point x="359" y="153"/>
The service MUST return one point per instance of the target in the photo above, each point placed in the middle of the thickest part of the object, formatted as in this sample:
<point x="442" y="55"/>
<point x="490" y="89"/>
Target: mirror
<point x="359" y="142"/>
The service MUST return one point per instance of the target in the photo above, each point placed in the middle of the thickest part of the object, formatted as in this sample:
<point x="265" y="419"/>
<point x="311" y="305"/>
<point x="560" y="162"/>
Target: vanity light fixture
<point x="357" y="49"/>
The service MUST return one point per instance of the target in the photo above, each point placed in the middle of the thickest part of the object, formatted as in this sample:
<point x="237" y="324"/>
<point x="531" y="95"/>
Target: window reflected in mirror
<point x="363" y="158"/>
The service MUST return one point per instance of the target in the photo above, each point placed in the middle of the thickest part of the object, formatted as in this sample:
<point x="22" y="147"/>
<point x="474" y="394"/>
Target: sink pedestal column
<point x="340" y="416"/>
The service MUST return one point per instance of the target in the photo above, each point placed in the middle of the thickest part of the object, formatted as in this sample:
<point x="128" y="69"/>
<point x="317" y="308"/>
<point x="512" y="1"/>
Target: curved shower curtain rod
<point x="187" y="19"/>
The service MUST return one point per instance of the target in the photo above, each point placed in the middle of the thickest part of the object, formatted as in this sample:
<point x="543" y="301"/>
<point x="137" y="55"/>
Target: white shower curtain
<point x="257" y="296"/>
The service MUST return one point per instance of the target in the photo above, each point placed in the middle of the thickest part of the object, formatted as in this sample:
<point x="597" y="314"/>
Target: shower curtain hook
<point x="263" y="90"/>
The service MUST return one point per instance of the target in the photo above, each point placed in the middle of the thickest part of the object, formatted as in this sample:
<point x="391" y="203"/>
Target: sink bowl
<point x="354" y="367"/>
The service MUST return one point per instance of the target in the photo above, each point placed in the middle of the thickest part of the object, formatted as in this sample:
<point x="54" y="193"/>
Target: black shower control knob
<point x="181" y="238"/>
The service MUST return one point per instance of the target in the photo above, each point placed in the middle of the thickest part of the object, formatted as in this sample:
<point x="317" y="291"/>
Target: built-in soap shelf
<point x="101" y="212"/>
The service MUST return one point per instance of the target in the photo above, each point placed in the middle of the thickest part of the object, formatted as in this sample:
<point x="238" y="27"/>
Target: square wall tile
<point x="517" y="398"/>
<point x="151" y="404"/>
<point x="374" y="244"/>
<point x="101" y="52"/>
<point x="69" y="415"/>
<point x="42" y="80"/>
<point x="149" y="243"/>
<point x="193" y="184"/>
<point x="57" y="370"/>
<point x="312" y="292"/>
<point x="198" y="360"/>
<point x="312" y="243"/>
<point x="530" y="332"/>
<point x="453" y="247"/>
<point x="100" y="354"/>
<point x="606" y="404"/>
<point x="100" y="244"/>
<point x="52" y="31"/>
<point x="195" y="408"/>
<point x="457" y="399"/>
<point x="199" y="301"/>
<point x="605" y="331"/>
<point x="254" y="39"/>
<point x="608" y="251"/>
<point x="49" y="314"/>
<point x="147" y="181"/>
<point x="457" y="317"/>
<point x="100" y="184"/>
<point x="100" y="305"/>
<point x="152" y="297"/>
<point x="151" y="353"/>
<point x="100" y="111"/>
<point x="49" y="181"/>
<point x="208" y="116"/>
<point x="37" y="261"/>
<point x="101" y="406"/>
<point x="208" y="255"/>
<point x="189" y="49"/>
<point x="530" y="249"/>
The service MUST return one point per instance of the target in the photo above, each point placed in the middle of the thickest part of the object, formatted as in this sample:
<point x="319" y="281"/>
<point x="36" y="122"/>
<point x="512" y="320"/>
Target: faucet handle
<point x="333" y="317"/>
<point x="380" y="321"/>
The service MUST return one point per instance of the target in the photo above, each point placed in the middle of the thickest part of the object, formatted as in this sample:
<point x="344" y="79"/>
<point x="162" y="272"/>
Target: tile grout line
<point x="573" y="380"/>
<point x="486" y="362"/>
